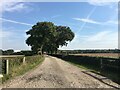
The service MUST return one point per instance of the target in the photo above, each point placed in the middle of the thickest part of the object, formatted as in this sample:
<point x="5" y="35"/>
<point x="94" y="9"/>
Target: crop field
<point x="108" y="55"/>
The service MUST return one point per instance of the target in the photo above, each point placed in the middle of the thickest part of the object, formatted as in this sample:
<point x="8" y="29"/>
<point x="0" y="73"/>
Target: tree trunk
<point x="40" y="50"/>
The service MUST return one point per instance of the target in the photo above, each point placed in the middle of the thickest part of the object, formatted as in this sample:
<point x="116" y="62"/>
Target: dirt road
<point x="55" y="73"/>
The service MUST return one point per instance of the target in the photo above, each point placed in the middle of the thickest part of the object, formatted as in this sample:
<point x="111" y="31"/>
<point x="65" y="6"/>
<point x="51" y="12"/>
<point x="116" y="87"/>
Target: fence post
<point x="1" y="68"/>
<point x="101" y="63"/>
<point x="24" y="60"/>
<point x="7" y="66"/>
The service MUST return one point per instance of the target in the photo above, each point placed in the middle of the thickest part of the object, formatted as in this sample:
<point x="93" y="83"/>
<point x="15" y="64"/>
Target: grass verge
<point x="16" y="70"/>
<point x="113" y="76"/>
<point x="94" y="64"/>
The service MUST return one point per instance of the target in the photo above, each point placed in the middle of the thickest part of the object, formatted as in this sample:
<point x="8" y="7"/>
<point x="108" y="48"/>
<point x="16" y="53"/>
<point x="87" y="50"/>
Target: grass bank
<point x="110" y="66"/>
<point x="17" y="67"/>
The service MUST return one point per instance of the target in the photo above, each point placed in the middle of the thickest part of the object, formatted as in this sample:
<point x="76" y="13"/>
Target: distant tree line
<point x="30" y="52"/>
<point x="11" y="52"/>
<point x="6" y="52"/>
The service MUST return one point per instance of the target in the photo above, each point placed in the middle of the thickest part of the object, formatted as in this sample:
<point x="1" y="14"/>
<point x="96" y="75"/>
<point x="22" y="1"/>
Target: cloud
<point x="4" y="34"/>
<point x="87" y="20"/>
<point x="12" y="21"/>
<point x="16" y="7"/>
<point x="11" y="5"/>
<point x="111" y="22"/>
<point x="100" y="40"/>
<point x="101" y="2"/>
<point x="104" y="39"/>
<point x="88" y="16"/>
<point x="9" y="36"/>
<point x="98" y="37"/>
<point x="55" y="16"/>
<point x="10" y="32"/>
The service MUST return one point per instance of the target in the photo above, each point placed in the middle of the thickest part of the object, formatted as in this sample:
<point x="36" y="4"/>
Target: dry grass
<point x="108" y="55"/>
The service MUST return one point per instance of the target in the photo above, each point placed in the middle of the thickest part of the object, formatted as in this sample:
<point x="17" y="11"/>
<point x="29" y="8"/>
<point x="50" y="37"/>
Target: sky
<point x="94" y="23"/>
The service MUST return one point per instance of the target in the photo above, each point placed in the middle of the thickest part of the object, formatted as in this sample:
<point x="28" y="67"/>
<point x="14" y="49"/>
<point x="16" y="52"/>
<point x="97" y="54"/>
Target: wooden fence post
<point x="101" y="63"/>
<point x="24" y="60"/>
<point x="7" y="66"/>
<point x="1" y="68"/>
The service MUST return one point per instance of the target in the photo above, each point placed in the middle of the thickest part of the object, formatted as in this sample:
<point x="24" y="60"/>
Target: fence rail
<point x="7" y="58"/>
<point x="99" y="63"/>
<point x="10" y="56"/>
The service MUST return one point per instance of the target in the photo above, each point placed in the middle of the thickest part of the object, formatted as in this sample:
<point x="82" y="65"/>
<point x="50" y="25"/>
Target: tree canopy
<point x="45" y="36"/>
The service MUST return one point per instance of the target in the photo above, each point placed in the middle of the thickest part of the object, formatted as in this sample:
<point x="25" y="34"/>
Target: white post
<point x="24" y="60"/>
<point x="1" y="68"/>
<point x="7" y="66"/>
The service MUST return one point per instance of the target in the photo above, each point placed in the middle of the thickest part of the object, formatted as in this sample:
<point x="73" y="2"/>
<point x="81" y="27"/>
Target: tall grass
<point x="17" y="67"/>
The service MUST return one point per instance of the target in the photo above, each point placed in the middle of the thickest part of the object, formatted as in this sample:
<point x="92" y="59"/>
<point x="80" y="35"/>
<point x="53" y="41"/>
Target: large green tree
<point x="45" y="36"/>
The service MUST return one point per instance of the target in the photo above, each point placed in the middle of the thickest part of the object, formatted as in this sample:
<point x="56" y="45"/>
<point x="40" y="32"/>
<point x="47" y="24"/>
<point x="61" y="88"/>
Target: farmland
<point x="107" y="55"/>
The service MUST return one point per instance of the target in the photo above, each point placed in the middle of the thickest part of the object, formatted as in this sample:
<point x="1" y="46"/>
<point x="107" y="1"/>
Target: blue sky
<point x="94" y="23"/>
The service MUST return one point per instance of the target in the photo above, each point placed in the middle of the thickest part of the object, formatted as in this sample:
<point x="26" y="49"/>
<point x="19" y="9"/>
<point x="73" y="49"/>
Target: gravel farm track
<point x="55" y="73"/>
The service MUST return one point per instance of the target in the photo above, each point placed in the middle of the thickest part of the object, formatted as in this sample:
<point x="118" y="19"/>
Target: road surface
<point x="55" y="73"/>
